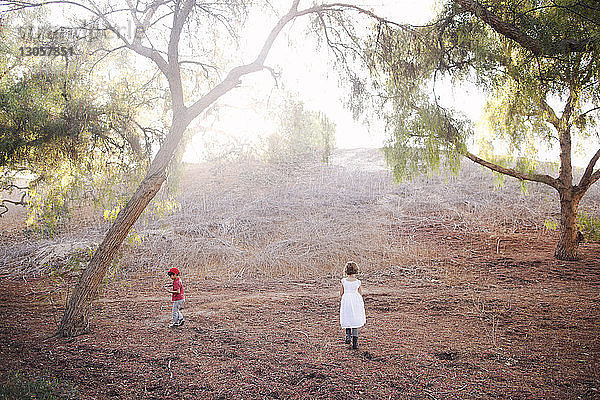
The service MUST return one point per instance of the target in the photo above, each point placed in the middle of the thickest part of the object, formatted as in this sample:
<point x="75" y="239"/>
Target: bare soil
<point x="530" y="332"/>
<point x="461" y="311"/>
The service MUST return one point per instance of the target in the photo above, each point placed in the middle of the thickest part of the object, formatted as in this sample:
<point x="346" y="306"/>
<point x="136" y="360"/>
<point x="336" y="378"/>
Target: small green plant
<point x="550" y="225"/>
<point x="111" y="214"/>
<point x="589" y="226"/>
<point x="162" y="209"/>
<point x="48" y="212"/>
<point x="80" y="258"/>
<point x="21" y="386"/>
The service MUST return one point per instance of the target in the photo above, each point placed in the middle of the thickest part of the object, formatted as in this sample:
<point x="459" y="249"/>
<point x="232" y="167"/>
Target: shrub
<point x="18" y="386"/>
<point x="589" y="226"/>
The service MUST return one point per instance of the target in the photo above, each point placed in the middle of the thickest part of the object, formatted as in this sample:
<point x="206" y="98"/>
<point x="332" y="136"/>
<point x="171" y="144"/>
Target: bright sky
<point x="307" y="72"/>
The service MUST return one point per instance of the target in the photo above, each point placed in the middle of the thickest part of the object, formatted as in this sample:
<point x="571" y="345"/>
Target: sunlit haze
<point x="246" y="114"/>
<point x="305" y="71"/>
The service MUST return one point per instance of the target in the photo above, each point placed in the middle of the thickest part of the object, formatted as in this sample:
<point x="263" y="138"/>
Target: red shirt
<point x="177" y="285"/>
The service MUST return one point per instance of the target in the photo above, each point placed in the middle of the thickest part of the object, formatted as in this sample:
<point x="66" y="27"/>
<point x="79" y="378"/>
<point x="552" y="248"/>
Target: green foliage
<point x="550" y="225"/>
<point x="24" y="386"/>
<point x="41" y="121"/>
<point x="79" y="259"/>
<point x="72" y="144"/>
<point x="162" y="209"/>
<point x="301" y="132"/>
<point x="586" y="223"/>
<point x="48" y="212"/>
<point x="51" y="201"/>
<point x="407" y="64"/>
<point x="426" y="148"/>
<point x="589" y="226"/>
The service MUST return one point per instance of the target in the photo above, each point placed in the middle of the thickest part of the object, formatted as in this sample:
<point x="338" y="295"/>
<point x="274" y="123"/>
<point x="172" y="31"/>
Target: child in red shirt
<point x="177" y="297"/>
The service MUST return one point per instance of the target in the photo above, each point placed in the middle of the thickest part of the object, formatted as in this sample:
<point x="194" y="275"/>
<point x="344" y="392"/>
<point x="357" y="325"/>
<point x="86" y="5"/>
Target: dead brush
<point x="248" y="218"/>
<point x="252" y="219"/>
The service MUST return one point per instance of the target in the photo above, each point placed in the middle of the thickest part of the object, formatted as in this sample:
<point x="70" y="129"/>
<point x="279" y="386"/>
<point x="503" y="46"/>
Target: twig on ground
<point x="304" y="333"/>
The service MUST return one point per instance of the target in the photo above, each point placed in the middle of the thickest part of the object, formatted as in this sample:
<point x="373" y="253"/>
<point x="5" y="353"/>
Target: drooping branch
<point x="364" y="11"/>
<point x="541" y="178"/>
<point x="205" y="67"/>
<point x="511" y="31"/>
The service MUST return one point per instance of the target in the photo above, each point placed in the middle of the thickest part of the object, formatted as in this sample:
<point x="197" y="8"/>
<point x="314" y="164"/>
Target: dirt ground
<point x="485" y="317"/>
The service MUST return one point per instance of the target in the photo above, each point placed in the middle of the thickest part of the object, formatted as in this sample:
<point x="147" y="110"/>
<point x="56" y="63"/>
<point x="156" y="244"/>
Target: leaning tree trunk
<point x="568" y="240"/>
<point x="76" y="318"/>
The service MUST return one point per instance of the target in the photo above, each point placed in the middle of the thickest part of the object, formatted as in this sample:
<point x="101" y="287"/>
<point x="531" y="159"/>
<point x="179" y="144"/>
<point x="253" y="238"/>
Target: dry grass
<point x="252" y="219"/>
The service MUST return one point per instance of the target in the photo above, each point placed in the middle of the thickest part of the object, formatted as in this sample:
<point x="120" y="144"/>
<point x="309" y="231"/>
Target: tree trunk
<point x="568" y="240"/>
<point x="76" y="318"/>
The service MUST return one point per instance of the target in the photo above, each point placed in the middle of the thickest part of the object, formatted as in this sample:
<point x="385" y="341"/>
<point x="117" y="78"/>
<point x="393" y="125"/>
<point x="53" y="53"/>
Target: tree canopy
<point x="301" y="132"/>
<point x="59" y="129"/>
<point x="520" y="83"/>
<point x="537" y="62"/>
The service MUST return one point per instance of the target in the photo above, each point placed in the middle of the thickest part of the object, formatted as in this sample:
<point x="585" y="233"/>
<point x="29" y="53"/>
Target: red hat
<point x="173" y="270"/>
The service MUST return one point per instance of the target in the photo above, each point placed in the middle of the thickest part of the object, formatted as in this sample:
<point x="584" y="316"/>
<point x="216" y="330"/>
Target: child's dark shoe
<point x="354" y="342"/>
<point x="181" y="321"/>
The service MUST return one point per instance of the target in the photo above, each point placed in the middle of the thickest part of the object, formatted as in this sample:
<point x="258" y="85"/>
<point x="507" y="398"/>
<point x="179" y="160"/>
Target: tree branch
<point x="11" y="186"/>
<point x="594" y="178"/>
<point x="236" y="73"/>
<point x="511" y="31"/>
<point x="360" y="10"/>
<point x="550" y="114"/>
<point x="21" y="202"/>
<point x="546" y="179"/>
<point x="588" y="111"/>
<point x="587" y="179"/>
<point x="205" y="67"/>
<point x="179" y="18"/>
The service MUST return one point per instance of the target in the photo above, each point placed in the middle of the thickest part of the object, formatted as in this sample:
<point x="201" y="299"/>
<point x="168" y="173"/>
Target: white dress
<point x="352" y="307"/>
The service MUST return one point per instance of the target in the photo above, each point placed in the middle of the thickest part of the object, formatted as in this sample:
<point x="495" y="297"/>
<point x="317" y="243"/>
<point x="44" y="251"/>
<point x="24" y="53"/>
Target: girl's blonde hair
<point x="351" y="268"/>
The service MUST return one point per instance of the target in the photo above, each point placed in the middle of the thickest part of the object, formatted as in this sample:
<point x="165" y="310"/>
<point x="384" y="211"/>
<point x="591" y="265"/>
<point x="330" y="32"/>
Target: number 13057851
<point x="40" y="51"/>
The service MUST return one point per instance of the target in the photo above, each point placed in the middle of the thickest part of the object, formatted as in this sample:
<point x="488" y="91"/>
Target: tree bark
<point x="76" y="318"/>
<point x="568" y="241"/>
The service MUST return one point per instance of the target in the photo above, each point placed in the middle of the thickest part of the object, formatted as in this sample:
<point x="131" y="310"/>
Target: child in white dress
<point x="352" y="307"/>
